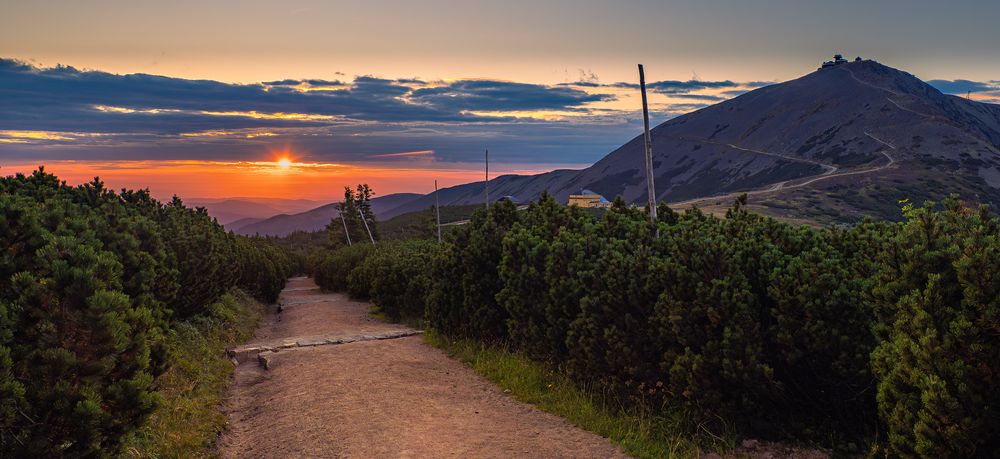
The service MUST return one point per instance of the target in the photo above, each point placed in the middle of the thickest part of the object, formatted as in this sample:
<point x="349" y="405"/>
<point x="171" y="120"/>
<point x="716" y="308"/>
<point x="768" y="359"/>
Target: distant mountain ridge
<point x="229" y="210"/>
<point x="833" y="145"/>
<point x="317" y="218"/>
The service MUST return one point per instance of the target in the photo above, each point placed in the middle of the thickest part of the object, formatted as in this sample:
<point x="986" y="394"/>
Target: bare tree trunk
<point x="363" y="220"/>
<point x="346" y="232"/>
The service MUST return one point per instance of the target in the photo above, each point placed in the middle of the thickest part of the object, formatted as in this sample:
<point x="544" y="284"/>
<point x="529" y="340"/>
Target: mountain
<point x="243" y="222"/>
<point x="229" y="210"/>
<point x="317" y="218"/>
<point x="834" y="145"/>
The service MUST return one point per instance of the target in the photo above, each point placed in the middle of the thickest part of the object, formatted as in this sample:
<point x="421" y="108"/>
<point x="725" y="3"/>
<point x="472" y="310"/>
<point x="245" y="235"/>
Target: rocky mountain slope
<point x="831" y="146"/>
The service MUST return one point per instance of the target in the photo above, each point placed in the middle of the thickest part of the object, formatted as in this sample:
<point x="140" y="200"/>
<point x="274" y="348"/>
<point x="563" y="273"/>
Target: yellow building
<point x="588" y="198"/>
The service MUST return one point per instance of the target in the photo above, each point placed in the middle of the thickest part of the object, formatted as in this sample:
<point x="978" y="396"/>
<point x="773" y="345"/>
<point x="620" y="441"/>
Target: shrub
<point x="399" y="277"/>
<point x="90" y="282"/>
<point x="188" y="421"/>
<point x="333" y="271"/>
<point x="465" y="279"/>
<point x="75" y="357"/>
<point x="836" y="335"/>
<point x="543" y="271"/>
<point x="938" y="358"/>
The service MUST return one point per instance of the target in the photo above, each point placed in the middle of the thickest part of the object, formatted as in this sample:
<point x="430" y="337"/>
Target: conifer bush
<point x="90" y="282"/>
<point x="937" y="301"/>
<point x="399" y="277"/>
<point x="836" y="335"/>
<point x="462" y="300"/>
<point x="332" y="271"/>
<point x="543" y="271"/>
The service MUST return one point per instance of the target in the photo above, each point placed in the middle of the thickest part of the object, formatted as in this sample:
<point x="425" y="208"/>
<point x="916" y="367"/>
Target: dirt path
<point x="378" y="398"/>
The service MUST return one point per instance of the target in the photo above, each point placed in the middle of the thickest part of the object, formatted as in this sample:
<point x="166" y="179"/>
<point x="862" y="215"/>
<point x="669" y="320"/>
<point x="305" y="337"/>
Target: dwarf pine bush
<point x="837" y="335"/>
<point x="90" y="282"/>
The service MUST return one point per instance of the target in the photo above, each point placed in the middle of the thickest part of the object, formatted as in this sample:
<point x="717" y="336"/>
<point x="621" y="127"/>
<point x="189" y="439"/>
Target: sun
<point x="284" y="163"/>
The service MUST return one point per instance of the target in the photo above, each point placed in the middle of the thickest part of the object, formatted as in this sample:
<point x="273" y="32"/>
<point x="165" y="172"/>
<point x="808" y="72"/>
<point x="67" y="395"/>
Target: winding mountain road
<point x="830" y="173"/>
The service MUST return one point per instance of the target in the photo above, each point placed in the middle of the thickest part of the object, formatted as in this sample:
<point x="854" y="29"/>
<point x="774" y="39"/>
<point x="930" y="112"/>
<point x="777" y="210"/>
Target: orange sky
<point x="262" y="179"/>
<point x="125" y="129"/>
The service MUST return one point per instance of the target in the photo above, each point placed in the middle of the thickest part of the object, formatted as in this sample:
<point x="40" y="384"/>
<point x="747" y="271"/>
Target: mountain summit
<point x="847" y="140"/>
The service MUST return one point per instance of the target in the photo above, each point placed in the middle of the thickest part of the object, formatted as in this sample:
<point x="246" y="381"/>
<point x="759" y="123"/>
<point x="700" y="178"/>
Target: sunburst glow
<point x="284" y="163"/>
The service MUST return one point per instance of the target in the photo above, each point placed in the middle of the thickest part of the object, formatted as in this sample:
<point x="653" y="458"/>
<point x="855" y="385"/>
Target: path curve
<point x="383" y="397"/>
<point x="779" y="186"/>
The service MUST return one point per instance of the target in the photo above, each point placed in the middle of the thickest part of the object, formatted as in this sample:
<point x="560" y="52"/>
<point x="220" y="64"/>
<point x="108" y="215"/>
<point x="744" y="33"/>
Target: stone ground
<point x="326" y="396"/>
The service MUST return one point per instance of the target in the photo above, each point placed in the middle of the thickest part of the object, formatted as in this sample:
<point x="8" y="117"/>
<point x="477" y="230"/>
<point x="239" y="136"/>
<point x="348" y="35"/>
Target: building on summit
<point x="837" y="60"/>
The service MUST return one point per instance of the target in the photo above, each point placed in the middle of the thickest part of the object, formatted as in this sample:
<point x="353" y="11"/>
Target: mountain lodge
<point x="588" y="198"/>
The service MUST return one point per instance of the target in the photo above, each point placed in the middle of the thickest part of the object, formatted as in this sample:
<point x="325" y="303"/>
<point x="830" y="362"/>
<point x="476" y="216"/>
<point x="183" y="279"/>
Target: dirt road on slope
<point x="830" y="172"/>
<point x="374" y="397"/>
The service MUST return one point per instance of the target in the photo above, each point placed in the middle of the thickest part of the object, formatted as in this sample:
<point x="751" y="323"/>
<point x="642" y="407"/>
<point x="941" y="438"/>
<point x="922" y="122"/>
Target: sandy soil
<point x="389" y="398"/>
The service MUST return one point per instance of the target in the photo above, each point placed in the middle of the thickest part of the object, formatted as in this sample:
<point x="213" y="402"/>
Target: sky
<point x="206" y="98"/>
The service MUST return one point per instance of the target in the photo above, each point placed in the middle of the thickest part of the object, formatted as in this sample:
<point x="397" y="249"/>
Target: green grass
<point x="638" y="432"/>
<point x="187" y="421"/>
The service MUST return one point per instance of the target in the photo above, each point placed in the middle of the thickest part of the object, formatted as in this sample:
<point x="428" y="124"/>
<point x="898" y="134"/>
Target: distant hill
<point x="385" y="207"/>
<point x="243" y="222"/>
<point x="229" y="210"/>
<point x="831" y="146"/>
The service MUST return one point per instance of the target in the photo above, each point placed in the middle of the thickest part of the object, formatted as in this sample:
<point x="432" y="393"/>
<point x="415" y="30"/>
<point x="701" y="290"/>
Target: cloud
<point x="324" y="82"/>
<point x="671" y="87"/>
<point x="65" y="98"/>
<point x="489" y="95"/>
<point x="964" y="86"/>
<point x="405" y="153"/>
<point x="684" y="87"/>
<point x="67" y="113"/>
<point x="282" y="83"/>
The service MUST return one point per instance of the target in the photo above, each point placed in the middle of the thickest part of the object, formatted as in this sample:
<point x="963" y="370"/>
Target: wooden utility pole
<point x="649" y="148"/>
<point x="487" y="179"/>
<point x="366" y="225"/>
<point x="437" y="208"/>
<point x="347" y="233"/>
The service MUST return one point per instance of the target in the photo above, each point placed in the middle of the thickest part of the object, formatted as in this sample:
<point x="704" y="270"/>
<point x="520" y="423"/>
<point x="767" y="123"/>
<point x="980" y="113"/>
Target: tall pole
<point x="347" y="233"/>
<point x="487" y="179"/>
<point x="437" y="208"/>
<point x="366" y="226"/>
<point x="649" y="148"/>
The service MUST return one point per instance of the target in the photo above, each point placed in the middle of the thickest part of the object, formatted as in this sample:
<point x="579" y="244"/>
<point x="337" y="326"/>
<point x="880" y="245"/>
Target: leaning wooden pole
<point x="437" y="208"/>
<point x="365" y="221"/>
<point x="346" y="232"/>
<point x="649" y="148"/>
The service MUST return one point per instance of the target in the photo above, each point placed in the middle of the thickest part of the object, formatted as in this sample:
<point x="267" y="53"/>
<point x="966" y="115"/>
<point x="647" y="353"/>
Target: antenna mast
<point x="649" y="148"/>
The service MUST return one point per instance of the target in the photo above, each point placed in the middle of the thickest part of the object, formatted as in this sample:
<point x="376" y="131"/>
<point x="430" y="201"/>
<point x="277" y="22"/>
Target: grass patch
<point x="637" y="431"/>
<point x="187" y="421"/>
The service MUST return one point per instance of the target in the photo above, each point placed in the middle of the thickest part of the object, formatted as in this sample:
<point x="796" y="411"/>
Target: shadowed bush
<point x="90" y="283"/>
<point x="837" y="335"/>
